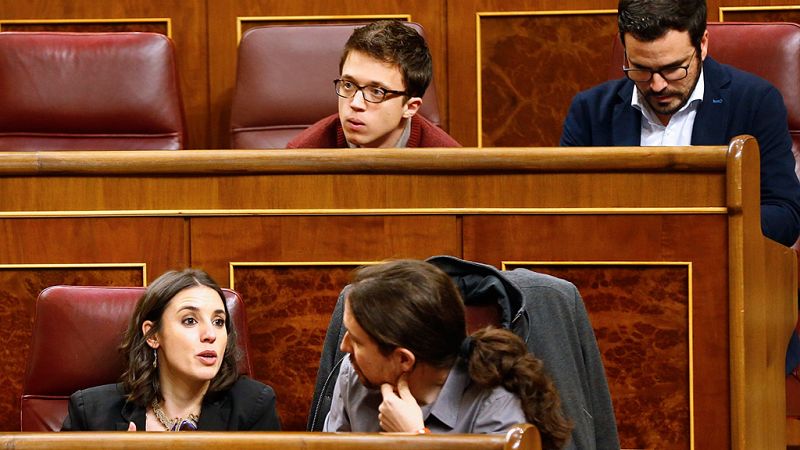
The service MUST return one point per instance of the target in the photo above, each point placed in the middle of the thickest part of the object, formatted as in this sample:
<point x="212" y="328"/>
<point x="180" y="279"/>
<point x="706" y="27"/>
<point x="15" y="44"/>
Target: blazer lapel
<point x="132" y="413"/>
<point x="626" y="122"/>
<point x="712" y="114"/>
<point x="215" y="415"/>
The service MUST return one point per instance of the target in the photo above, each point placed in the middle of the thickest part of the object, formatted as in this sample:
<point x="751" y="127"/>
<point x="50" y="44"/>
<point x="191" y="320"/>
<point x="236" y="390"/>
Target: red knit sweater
<point x="328" y="133"/>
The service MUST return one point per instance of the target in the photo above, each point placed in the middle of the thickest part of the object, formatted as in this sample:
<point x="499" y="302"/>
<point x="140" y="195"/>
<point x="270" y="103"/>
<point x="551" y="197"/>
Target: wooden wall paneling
<point x="640" y="312"/>
<point x="186" y="19"/>
<point x="511" y="59"/>
<point x="318" y="238"/>
<point x="289" y="306"/>
<point x="159" y="242"/>
<point x="777" y="13"/>
<point x="651" y="239"/>
<point x="224" y="15"/>
<point x="289" y="302"/>
<point x="531" y="65"/>
<point x="20" y="285"/>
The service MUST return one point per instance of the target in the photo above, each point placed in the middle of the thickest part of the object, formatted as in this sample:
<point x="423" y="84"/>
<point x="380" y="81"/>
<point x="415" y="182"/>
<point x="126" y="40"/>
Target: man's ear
<point x="152" y="341"/>
<point x="411" y="107"/>
<point x="405" y="359"/>
<point x="704" y="46"/>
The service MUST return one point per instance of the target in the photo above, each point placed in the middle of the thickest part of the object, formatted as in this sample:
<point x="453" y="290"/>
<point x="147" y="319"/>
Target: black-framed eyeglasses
<point x="371" y="93"/>
<point x="673" y="73"/>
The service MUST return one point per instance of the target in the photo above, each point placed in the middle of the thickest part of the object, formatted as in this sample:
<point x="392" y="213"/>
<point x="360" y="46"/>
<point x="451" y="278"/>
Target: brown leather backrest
<point x="76" y="333"/>
<point x="284" y="82"/>
<point x="89" y="91"/>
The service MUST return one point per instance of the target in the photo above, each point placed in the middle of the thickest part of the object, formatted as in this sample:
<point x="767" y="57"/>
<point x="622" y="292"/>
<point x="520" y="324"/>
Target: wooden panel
<point x="159" y="242"/>
<point x="188" y="19"/>
<point x="161" y="26"/>
<point x="223" y="17"/>
<point x="288" y="310"/>
<point x="761" y="14"/>
<point x="19" y="287"/>
<point x="640" y="313"/>
<point x="531" y="65"/>
<point x="556" y="51"/>
<point x="323" y="238"/>
<point x="640" y="238"/>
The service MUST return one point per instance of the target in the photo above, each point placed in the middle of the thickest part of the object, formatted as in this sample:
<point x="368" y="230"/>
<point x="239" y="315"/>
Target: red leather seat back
<point x="76" y="333"/>
<point x="284" y="82"/>
<point x="89" y="91"/>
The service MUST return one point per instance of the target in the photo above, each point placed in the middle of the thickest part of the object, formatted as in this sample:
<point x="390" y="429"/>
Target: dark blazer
<point x="247" y="406"/>
<point x="735" y="102"/>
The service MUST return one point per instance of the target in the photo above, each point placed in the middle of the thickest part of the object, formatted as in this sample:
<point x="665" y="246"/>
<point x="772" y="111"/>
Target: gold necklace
<point x="176" y="424"/>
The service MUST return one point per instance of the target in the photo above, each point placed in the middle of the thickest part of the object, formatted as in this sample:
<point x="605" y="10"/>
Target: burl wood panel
<point x="288" y="310"/>
<point x="773" y="15"/>
<point x="640" y="315"/>
<point x="19" y="288"/>
<point x="532" y="66"/>
<point x="89" y="27"/>
<point x="699" y="239"/>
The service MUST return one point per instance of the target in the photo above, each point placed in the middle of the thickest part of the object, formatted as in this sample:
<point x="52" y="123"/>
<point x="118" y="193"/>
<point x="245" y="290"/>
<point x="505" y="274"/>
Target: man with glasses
<point x="674" y="94"/>
<point x="383" y="73"/>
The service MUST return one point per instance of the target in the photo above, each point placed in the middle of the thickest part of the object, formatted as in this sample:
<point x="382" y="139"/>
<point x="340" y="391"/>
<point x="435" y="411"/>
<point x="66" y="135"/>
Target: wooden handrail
<point x="391" y="160"/>
<point x="520" y="437"/>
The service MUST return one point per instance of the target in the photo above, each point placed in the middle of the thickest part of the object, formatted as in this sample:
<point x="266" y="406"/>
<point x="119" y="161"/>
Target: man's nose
<point x="357" y="101"/>
<point x="658" y="83"/>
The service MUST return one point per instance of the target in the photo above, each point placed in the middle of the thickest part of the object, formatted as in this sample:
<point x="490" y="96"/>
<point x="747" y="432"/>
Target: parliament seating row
<point x="86" y="324"/>
<point x="119" y="91"/>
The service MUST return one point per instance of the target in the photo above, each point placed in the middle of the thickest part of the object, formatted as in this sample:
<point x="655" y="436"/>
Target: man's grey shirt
<point x="461" y="407"/>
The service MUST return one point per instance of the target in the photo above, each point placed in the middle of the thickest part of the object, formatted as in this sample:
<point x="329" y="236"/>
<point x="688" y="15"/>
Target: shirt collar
<point x="401" y="143"/>
<point x="445" y="407"/>
<point x="638" y="101"/>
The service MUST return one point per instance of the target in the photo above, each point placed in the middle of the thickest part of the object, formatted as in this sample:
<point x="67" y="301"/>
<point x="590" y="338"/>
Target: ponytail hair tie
<point x="467" y="345"/>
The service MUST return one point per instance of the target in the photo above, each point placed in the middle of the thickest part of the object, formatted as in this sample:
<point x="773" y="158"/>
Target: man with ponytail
<point x="413" y="368"/>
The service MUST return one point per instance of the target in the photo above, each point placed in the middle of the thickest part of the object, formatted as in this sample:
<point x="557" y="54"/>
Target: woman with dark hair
<point x="181" y="374"/>
<point x="412" y="367"/>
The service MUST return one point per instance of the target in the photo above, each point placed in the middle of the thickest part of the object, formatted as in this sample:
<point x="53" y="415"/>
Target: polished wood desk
<point x="691" y="305"/>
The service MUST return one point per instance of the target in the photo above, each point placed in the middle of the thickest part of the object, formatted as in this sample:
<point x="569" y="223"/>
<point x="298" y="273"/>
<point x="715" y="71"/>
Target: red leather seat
<point x="76" y="333"/>
<point x="89" y="91"/>
<point x="284" y="82"/>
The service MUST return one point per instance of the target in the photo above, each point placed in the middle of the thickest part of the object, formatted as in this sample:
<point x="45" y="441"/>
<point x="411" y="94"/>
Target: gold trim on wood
<point x="167" y="20"/>
<point x="142" y="266"/>
<point x="480" y="14"/>
<point x="687" y="264"/>
<point x="232" y="265"/>
<point x="356" y="212"/>
<point x="722" y="9"/>
<point x="366" y="17"/>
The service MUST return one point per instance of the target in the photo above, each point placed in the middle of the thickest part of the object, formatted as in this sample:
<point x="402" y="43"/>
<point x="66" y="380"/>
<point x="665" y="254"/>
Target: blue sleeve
<point x="780" y="189"/>
<point x="577" y="125"/>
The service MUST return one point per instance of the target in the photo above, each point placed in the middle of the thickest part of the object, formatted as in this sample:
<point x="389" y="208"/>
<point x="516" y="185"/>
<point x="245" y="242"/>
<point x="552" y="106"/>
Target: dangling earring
<point x="155" y="359"/>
